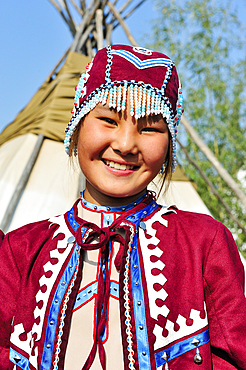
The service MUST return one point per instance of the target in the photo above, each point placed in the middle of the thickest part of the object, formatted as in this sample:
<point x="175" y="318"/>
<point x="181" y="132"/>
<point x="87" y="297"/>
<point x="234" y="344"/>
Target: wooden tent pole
<point x="21" y="185"/>
<point x="212" y="158"/>
<point x="85" y="36"/>
<point x="82" y="5"/>
<point x="70" y="18"/>
<point x="99" y="28"/>
<point x="122" y="23"/>
<point x="86" y="21"/>
<point x="58" y="64"/>
<point x="130" y="12"/>
<point x="213" y="189"/>
<point x="89" y="48"/>
<point x="68" y="21"/>
<point x="109" y="29"/>
<point x="80" y="11"/>
<point x="133" y="9"/>
<point x="128" y="2"/>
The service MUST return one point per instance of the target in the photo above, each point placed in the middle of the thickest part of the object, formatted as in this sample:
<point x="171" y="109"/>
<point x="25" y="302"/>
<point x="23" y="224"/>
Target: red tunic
<point x="180" y="292"/>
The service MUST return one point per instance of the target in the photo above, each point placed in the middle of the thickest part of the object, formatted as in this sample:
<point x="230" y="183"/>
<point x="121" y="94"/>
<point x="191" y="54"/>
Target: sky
<point x="33" y="38"/>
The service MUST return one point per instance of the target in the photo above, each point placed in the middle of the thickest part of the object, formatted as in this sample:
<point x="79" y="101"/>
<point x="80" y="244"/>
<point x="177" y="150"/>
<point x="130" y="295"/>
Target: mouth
<point x="119" y="166"/>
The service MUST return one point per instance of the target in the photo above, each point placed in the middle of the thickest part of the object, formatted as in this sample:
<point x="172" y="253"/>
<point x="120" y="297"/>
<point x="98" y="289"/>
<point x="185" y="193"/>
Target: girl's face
<point x="120" y="155"/>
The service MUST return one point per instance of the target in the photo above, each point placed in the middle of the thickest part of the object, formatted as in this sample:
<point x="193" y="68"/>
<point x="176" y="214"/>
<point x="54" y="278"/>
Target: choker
<point x="118" y="209"/>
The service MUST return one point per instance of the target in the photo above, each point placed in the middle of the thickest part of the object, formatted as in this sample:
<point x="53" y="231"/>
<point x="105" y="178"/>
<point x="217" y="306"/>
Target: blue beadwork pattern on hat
<point x="142" y="64"/>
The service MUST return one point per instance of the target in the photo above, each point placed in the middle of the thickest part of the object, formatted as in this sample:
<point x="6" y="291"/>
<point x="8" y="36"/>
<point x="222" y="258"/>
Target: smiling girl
<point x="120" y="282"/>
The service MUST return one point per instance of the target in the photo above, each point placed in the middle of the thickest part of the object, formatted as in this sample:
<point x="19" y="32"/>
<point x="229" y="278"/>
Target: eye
<point x="108" y="120"/>
<point x="150" y="129"/>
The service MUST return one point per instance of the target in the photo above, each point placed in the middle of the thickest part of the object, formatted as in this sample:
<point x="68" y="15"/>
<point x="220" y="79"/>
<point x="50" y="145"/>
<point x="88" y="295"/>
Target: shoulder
<point x="197" y="220"/>
<point x="1" y="236"/>
<point x="189" y="220"/>
<point x="30" y="231"/>
<point x="198" y="223"/>
<point x="188" y="229"/>
<point x="36" y="234"/>
<point x="43" y="227"/>
<point x="32" y="243"/>
<point x="196" y="235"/>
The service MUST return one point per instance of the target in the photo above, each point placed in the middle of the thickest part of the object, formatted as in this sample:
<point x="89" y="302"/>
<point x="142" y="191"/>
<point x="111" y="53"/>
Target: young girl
<point x="119" y="282"/>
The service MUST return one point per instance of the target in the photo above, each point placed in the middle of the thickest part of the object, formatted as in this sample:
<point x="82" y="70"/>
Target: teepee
<point x="37" y="180"/>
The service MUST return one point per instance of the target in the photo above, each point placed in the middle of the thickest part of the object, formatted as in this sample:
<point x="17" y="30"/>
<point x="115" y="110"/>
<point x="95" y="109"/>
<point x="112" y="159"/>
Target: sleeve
<point x="226" y="303"/>
<point x="9" y="287"/>
<point x="1" y="236"/>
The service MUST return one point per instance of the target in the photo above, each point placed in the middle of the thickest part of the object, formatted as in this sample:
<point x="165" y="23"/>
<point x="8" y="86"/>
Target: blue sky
<point x="33" y="39"/>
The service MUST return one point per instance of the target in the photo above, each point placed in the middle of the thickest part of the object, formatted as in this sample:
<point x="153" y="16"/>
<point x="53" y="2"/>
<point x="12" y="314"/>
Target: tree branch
<point x="211" y="157"/>
<point x="213" y="189"/>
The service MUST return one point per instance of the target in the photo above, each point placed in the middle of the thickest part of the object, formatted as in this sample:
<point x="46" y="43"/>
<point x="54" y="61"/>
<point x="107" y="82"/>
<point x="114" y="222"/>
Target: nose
<point x="125" y="140"/>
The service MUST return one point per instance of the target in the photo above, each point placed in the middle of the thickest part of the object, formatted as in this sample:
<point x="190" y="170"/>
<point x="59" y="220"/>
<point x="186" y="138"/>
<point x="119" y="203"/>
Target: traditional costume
<point x="174" y="286"/>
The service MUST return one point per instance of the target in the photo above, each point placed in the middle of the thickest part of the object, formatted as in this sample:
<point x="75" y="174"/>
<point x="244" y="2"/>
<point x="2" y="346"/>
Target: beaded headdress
<point x="151" y="78"/>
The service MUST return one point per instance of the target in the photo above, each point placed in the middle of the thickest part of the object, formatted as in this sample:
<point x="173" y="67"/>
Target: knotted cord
<point x="104" y="236"/>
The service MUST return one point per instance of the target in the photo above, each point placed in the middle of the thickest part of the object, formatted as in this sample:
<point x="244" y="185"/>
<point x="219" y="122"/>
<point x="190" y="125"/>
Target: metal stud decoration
<point x="197" y="357"/>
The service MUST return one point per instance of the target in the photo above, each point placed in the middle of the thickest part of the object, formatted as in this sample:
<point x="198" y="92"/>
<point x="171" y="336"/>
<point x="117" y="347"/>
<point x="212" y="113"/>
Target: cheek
<point x="91" y="144"/>
<point x="157" y="152"/>
<point x="87" y="138"/>
<point x="83" y="148"/>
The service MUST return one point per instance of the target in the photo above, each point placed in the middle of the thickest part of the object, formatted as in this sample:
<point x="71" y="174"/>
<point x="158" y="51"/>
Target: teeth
<point x="118" y="166"/>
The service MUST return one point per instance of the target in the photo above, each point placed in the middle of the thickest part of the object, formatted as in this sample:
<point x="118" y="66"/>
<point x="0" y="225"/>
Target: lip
<point x="119" y="167"/>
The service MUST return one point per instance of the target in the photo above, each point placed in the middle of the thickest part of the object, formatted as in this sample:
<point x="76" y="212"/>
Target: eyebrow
<point x="103" y="107"/>
<point x="151" y="119"/>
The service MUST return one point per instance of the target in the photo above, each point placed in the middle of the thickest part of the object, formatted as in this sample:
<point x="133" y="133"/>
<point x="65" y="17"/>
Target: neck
<point x="96" y="197"/>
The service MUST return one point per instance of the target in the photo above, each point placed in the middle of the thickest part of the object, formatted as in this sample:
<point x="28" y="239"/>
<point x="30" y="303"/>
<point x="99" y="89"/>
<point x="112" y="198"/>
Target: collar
<point x="131" y="211"/>
<point x="105" y="209"/>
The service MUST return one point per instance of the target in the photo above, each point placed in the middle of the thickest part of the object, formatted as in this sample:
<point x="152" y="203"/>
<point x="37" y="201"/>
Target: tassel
<point x="148" y="102"/>
<point x="124" y="96"/>
<point x="119" y="98"/>
<point x="144" y="102"/>
<point x="131" y="101"/>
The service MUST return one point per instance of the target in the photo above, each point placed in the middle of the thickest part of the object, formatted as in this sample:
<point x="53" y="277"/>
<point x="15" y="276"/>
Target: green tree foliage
<point x="206" y="40"/>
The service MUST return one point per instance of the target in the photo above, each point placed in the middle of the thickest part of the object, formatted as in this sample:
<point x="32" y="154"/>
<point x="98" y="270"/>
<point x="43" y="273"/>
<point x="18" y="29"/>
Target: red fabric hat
<point x="151" y="75"/>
